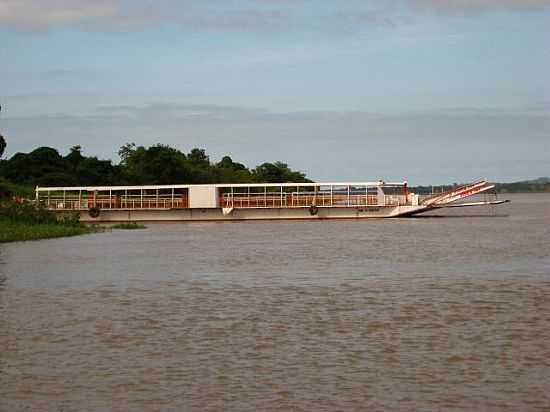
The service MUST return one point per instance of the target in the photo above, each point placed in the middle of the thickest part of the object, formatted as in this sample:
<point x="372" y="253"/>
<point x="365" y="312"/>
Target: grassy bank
<point x="16" y="231"/>
<point x="25" y="222"/>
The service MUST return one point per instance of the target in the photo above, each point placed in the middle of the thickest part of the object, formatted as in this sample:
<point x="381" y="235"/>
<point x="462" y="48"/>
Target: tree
<point x="228" y="171"/>
<point x="74" y="158"/>
<point x="46" y="167"/>
<point x="92" y="171"/>
<point x="159" y="164"/>
<point x="125" y="152"/>
<point x="278" y="172"/>
<point x="57" y="179"/>
<point x="26" y="168"/>
<point x="198" y="157"/>
<point x="2" y="145"/>
<point x="228" y="163"/>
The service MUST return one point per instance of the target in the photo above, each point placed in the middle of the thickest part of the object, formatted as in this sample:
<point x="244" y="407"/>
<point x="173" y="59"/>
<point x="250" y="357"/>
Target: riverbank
<point x="23" y="221"/>
<point x="18" y="231"/>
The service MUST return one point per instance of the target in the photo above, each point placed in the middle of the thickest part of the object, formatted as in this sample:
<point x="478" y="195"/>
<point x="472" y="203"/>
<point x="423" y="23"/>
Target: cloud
<point x="178" y="112"/>
<point x="220" y="15"/>
<point x="136" y="14"/>
<point x="436" y="146"/>
<point x="478" y="5"/>
<point x="195" y="15"/>
<point x="41" y="14"/>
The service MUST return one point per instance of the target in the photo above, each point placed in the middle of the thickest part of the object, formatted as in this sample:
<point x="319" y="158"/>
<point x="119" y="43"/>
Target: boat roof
<point x="217" y="185"/>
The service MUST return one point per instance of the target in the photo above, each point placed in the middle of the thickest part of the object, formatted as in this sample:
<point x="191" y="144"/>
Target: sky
<point x="429" y="91"/>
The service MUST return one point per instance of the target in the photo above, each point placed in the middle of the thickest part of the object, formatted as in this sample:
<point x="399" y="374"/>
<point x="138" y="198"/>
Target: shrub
<point x="30" y="214"/>
<point x="9" y="190"/>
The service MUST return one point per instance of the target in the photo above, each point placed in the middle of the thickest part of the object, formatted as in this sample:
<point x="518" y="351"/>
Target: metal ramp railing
<point x="458" y="193"/>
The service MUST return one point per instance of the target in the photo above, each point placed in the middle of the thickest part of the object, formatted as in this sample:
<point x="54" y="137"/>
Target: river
<point x="445" y="312"/>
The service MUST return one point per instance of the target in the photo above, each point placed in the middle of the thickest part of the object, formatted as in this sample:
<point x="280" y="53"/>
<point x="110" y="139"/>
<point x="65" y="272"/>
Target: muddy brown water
<point x="431" y="313"/>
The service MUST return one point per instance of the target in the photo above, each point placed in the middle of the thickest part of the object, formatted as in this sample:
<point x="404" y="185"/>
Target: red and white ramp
<point x="461" y="192"/>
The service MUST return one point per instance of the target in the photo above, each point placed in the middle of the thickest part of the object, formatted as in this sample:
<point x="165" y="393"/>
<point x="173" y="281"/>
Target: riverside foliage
<point x="139" y="165"/>
<point x="22" y="221"/>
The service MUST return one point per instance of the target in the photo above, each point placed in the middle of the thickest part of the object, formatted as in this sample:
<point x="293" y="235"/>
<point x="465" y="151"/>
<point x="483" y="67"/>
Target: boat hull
<point x="217" y="214"/>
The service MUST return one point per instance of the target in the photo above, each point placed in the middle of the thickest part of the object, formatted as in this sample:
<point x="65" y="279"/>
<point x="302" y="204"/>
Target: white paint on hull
<point x="195" y="215"/>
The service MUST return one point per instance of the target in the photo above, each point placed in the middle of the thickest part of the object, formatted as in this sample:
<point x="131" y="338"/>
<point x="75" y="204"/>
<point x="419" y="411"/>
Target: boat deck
<point x="225" y="196"/>
<point x="247" y="201"/>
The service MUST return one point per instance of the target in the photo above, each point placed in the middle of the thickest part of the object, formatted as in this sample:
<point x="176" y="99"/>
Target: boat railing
<point x="114" y="202"/>
<point x="296" y="200"/>
<point x="69" y="201"/>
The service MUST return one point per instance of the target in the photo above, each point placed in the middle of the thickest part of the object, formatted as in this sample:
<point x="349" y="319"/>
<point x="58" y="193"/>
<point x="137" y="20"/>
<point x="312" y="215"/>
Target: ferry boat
<point x="259" y="201"/>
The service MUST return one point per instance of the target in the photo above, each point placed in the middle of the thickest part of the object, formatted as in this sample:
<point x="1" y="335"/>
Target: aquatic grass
<point x="24" y="221"/>
<point x="128" y="226"/>
<point x="18" y="231"/>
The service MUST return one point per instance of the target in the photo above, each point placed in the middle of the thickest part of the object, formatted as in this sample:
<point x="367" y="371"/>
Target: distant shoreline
<point x="523" y="187"/>
<point x="516" y="187"/>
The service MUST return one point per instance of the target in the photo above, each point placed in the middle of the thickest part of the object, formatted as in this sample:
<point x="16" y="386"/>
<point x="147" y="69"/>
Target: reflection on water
<point x="408" y="314"/>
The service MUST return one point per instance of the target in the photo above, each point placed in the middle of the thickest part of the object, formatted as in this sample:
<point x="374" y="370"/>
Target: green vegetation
<point x="158" y="164"/>
<point x="129" y="225"/>
<point x="20" y="221"/>
<point x="12" y="232"/>
<point x="10" y="190"/>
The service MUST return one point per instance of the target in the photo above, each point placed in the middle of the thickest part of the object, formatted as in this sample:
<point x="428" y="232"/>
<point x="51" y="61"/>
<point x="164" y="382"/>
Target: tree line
<point x="139" y="165"/>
